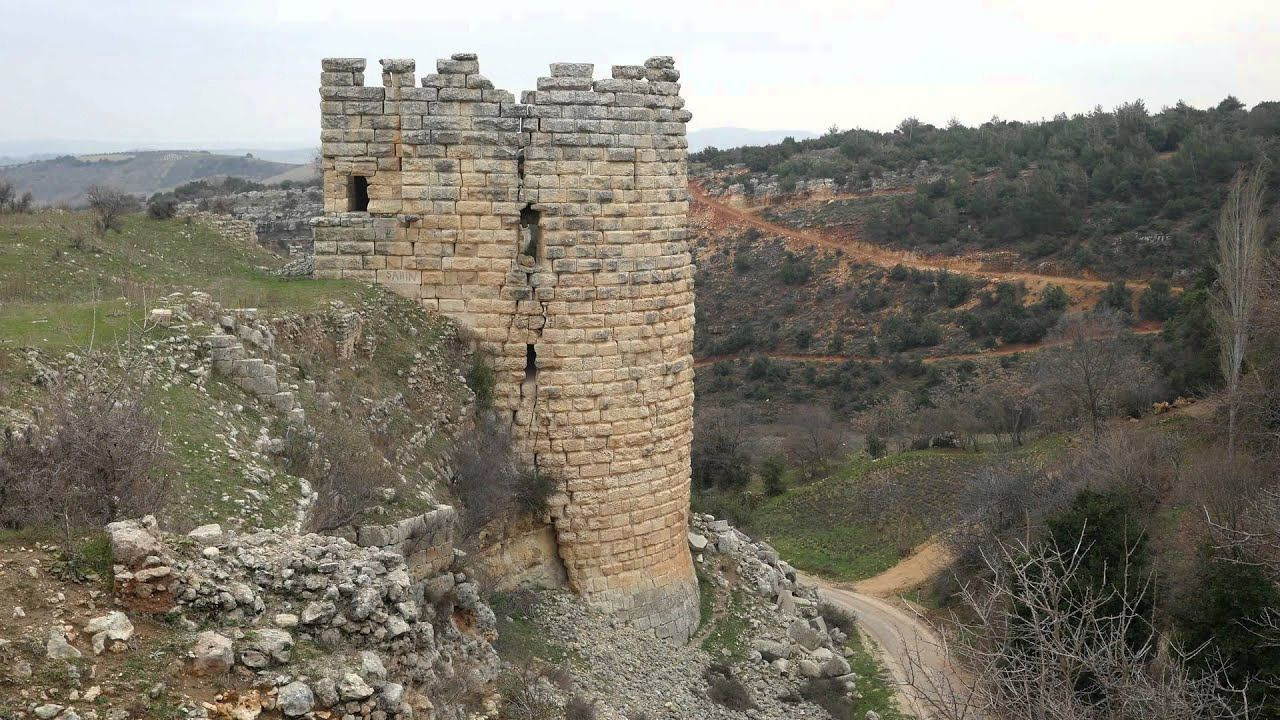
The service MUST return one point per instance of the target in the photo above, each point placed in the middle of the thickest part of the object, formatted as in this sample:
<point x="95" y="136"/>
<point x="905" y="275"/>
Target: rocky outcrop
<point x="377" y="639"/>
<point x="802" y="643"/>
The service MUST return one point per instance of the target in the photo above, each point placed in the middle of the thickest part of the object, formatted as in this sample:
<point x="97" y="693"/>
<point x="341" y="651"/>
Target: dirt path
<point x="1011" y="349"/>
<point x="924" y="563"/>
<point x="863" y="252"/>
<point x="897" y="635"/>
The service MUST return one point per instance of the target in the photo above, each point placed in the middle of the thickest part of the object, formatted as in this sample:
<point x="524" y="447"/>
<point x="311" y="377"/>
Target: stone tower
<point x="554" y="229"/>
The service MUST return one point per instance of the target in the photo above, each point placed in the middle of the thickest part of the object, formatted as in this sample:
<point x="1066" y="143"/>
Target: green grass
<point x="206" y="479"/>
<point x="869" y="515"/>
<point x="730" y="636"/>
<point x="61" y="284"/>
<point x="876" y="688"/>
<point x="520" y="640"/>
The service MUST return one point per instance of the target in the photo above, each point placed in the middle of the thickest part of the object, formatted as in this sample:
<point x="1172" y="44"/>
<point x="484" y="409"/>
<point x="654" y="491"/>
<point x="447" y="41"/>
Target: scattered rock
<point x="353" y="687"/>
<point x="113" y="627"/>
<point x="57" y="648"/>
<point x="131" y="543"/>
<point x="212" y="654"/>
<point x="295" y="699"/>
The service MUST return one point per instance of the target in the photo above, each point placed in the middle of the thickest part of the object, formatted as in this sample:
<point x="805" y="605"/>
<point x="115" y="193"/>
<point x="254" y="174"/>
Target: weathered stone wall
<point x="555" y="230"/>
<point x="426" y="541"/>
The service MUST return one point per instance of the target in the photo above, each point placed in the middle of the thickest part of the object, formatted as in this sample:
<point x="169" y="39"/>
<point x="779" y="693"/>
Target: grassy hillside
<point x="63" y="179"/>
<point x="70" y="298"/>
<point x="869" y="514"/>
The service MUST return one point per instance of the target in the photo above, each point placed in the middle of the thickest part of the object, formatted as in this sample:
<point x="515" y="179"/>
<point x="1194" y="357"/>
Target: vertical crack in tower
<point x="588" y="314"/>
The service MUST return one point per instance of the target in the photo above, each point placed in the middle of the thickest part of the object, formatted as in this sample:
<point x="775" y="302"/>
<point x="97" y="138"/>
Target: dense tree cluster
<point x="1105" y="191"/>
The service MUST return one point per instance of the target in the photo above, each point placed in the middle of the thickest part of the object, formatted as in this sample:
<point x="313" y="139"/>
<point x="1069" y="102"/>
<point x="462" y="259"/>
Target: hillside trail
<point x="1003" y="350"/>
<point x="903" y="640"/>
<point x="887" y="258"/>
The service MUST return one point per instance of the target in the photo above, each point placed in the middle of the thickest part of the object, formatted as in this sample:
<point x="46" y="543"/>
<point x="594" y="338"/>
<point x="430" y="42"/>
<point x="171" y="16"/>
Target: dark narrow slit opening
<point x="358" y="194"/>
<point x="520" y="165"/>
<point x="530" y="362"/>
<point x="530" y="232"/>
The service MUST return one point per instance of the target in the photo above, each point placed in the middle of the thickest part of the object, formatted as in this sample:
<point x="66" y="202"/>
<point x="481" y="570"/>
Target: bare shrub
<point x="526" y="695"/>
<point x="886" y="420"/>
<point x="1040" y="641"/>
<point x="109" y="206"/>
<point x="724" y="687"/>
<point x="490" y="481"/>
<point x="162" y="208"/>
<point x="580" y="708"/>
<point x="346" y="472"/>
<point x="95" y="458"/>
<point x="814" y="443"/>
<point x="719" y="454"/>
<point x="1143" y="464"/>
<point x="6" y="194"/>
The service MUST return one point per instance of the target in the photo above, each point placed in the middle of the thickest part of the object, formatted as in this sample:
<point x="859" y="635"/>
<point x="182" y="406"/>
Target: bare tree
<point x="491" y="482"/>
<point x="1239" y="265"/>
<point x="814" y="442"/>
<point x="347" y="473"/>
<point x="719" y="454"/>
<point x="1093" y="368"/>
<point x="887" y="419"/>
<point x="1008" y="405"/>
<point x="1040" y="645"/>
<point x="109" y="205"/>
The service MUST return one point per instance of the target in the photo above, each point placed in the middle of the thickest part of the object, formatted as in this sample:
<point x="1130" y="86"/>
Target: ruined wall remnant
<point x="555" y="230"/>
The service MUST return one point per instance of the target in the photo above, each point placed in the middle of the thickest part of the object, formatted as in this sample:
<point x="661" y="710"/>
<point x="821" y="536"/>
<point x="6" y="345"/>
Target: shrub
<point x="876" y="446"/>
<point x="796" y="269"/>
<point x="901" y="332"/>
<point x="773" y="471"/>
<point x="725" y="688"/>
<point x="162" y="208"/>
<point x="1157" y="303"/>
<point x="109" y="205"/>
<point x="347" y="474"/>
<point x="94" y="459"/>
<point x="480" y="378"/>
<point x="489" y="481"/>
<point x="580" y="708"/>
<point x="1118" y="297"/>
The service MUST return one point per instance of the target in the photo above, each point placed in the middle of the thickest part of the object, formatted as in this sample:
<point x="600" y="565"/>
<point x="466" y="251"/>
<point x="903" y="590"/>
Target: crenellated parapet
<point x="555" y="230"/>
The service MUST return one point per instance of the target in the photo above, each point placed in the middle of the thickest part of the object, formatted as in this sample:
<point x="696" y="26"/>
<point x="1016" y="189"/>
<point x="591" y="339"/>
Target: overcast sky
<point x="234" y="73"/>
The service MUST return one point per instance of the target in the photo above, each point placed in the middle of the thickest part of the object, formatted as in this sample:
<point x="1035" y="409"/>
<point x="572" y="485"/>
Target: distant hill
<point x="63" y="179"/>
<point x="731" y="137"/>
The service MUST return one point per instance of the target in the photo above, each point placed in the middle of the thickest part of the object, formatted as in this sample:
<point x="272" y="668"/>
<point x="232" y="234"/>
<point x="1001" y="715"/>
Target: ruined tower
<point x="554" y="229"/>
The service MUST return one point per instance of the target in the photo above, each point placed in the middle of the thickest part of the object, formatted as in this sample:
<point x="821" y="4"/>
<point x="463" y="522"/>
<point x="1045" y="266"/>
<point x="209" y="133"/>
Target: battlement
<point x="555" y="230"/>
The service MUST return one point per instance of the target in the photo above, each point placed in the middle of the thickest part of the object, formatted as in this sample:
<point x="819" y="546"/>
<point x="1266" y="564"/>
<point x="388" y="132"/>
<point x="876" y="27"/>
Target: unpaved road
<point x="1079" y="288"/>
<point x="896" y="632"/>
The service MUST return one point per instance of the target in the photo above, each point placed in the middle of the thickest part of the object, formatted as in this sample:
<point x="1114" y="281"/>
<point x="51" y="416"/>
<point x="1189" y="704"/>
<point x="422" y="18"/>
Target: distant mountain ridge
<point x="730" y="137"/>
<point x="64" y="178"/>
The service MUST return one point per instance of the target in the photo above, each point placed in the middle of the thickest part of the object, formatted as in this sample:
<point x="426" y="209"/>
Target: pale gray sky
<point x="244" y="73"/>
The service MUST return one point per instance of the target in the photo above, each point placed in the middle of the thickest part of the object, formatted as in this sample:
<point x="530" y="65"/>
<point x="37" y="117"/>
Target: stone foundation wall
<point x="426" y="541"/>
<point x="555" y="229"/>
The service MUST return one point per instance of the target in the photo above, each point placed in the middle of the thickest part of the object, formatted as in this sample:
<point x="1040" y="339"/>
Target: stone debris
<point x="212" y="654"/>
<point x="113" y="628"/>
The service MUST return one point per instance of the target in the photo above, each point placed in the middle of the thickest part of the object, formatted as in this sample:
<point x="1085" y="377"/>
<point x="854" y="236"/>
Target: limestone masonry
<point x="555" y="230"/>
